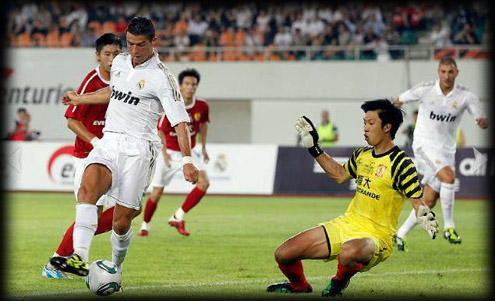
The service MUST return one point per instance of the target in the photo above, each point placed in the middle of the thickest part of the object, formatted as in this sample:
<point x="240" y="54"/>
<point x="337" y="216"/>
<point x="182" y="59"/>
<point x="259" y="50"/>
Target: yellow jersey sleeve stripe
<point x="397" y="160"/>
<point x="415" y="193"/>
<point x="399" y="170"/>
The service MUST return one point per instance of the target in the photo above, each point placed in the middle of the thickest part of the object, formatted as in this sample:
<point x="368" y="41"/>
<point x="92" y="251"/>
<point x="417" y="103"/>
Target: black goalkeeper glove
<point x="309" y="136"/>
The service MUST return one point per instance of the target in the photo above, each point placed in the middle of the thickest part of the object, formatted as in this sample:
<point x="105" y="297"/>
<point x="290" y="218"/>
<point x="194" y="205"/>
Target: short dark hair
<point x="21" y="110"/>
<point x="447" y="61"/>
<point x="189" y="72"/>
<point x="387" y="113"/>
<point x="107" y="39"/>
<point x="142" y="26"/>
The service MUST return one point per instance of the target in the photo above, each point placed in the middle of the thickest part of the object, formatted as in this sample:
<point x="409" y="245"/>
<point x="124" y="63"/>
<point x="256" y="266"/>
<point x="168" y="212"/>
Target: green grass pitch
<point x="230" y="252"/>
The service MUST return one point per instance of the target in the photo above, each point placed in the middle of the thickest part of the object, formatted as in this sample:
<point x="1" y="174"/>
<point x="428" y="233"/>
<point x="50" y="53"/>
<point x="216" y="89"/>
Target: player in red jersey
<point x="169" y="162"/>
<point x="87" y="122"/>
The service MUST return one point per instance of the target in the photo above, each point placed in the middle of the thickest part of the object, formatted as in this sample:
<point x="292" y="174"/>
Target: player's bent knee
<point x="86" y="196"/>
<point x="430" y="203"/>
<point x="121" y="226"/>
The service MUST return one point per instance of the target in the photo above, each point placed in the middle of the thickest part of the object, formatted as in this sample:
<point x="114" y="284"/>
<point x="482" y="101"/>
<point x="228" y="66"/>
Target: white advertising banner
<point x="233" y="168"/>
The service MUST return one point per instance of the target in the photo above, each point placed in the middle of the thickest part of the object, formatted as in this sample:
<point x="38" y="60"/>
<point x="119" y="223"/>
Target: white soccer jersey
<point x="140" y="96"/>
<point x="439" y="115"/>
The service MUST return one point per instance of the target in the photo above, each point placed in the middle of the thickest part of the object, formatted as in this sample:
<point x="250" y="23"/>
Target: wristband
<point x="187" y="160"/>
<point x="94" y="141"/>
<point x="315" y="150"/>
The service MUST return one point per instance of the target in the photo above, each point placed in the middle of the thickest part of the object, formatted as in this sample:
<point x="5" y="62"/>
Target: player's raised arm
<point x="101" y="96"/>
<point x="309" y="137"/>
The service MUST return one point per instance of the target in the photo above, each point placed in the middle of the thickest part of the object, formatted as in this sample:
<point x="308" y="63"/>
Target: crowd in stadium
<point x="254" y="25"/>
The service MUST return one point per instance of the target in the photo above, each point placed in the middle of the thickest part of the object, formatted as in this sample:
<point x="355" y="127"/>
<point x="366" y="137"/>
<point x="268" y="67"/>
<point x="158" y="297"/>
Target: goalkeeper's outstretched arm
<point x="309" y="137"/>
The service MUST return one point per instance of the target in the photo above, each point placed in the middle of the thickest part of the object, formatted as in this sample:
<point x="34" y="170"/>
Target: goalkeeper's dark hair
<point x="141" y="26"/>
<point x="189" y="72"/>
<point x="387" y="112"/>
<point x="107" y="39"/>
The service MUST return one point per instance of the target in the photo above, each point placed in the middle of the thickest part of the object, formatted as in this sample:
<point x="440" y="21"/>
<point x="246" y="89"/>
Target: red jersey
<point x="91" y="116"/>
<point x="198" y="113"/>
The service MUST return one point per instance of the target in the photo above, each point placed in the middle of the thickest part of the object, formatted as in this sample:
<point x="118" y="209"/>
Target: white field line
<point x="240" y="282"/>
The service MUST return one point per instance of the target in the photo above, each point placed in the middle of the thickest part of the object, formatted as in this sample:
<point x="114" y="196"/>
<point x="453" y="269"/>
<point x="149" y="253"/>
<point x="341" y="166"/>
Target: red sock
<point x="193" y="199"/>
<point x="104" y="225"/>
<point x="295" y="274"/>
<point x="149" y="210"/>
<point x="344" y="273"/>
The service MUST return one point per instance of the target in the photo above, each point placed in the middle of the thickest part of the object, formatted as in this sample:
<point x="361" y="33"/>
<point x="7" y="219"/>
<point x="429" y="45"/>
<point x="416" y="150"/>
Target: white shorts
<point x="429" y="161"/>
<point x="131" y="162"/>
<point x="79" y="170"/>
<point x="164" y="174"/>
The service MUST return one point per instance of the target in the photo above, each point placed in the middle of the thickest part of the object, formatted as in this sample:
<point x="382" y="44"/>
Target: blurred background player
<point x="327" y="131"/>
<point x="409" y="130"/>
<point x="87" y="122"/>
<point x="122" y="163"/>
<point x="362" y="237"/>
<point x="441" y="105"/>
<point x="21" y="130"/>
<point x="169" y="160"/>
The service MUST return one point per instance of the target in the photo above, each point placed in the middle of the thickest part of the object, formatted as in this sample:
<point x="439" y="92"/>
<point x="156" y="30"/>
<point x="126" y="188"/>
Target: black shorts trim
<point x="328" y="241"/>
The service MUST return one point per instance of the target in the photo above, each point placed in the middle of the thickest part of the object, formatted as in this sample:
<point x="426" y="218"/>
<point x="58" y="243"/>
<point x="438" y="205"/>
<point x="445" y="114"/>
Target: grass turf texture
<point x="230" y="251"/>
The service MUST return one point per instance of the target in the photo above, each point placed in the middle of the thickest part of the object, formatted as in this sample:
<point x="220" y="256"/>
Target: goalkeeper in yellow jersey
<point x="363" y="236"/>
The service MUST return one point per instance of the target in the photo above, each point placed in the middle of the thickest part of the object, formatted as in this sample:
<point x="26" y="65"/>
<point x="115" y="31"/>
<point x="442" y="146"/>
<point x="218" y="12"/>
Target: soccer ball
<point x="104" y="278"/>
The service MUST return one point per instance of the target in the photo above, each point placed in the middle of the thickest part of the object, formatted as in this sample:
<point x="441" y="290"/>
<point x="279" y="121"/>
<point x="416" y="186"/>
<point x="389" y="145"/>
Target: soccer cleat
<point x="52" y="273"/>
<point x="145" y="229"/>
<point x="285" y="287"/>
<point x="335" y="288"/>
<point x="72" y="264"/>
<point x="451" y="235"/>
<point x="179" y="225"/>
<point x="401" y="243"/>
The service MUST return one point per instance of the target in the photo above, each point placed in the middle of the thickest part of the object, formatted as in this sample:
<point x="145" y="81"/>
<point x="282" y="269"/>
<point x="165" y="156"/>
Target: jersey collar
<point x="393" y="149"/>
<point x="439" y="90"/>
<point x="97" y="69"/>
<point x="192" y="103"/>
<point x="145" y="64"/>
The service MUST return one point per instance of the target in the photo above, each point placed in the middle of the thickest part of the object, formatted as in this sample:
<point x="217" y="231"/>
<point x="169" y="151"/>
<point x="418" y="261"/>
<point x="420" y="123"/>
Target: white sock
<point x="408" y="225"/>
<point x="145" y="226"/>
<point x="120" y="244"/>
<point x="179" y="215"/>
<point x="84" y="229"/>
<point x="447" y="192"/>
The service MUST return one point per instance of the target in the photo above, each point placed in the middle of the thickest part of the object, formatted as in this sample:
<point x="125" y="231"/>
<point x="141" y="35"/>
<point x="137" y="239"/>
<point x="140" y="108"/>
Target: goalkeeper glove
<point x="426" y="218"/>
<point x="309" y="136"/>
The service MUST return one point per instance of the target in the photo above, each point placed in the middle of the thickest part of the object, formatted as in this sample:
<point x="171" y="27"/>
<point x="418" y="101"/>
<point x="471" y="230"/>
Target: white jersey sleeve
<point x="171" y="99"/>
<point x="474" y="106"/>
<point x="415" y="93"/>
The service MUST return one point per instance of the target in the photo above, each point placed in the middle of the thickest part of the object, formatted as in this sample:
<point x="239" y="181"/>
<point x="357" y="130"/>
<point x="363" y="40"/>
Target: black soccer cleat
<point x="285" y="287"/>
<point x="451" y="235"/>
<point x="335" y="288"/>
<point x="72" y="264"/>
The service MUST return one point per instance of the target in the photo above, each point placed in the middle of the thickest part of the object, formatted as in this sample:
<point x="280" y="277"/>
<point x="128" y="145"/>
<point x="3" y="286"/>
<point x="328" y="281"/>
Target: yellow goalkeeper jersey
<point x="383" y="182"/>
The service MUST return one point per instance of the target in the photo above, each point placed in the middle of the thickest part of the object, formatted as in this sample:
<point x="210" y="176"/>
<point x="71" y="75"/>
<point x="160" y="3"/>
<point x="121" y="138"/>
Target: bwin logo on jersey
<point x="126" y="97"/>
<point x="440" y="117"/>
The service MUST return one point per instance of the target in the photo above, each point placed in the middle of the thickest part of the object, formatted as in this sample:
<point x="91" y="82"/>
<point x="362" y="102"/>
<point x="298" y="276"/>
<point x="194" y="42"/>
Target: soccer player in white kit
<point x="442" y="103"/>
<point x="121" y="165"/>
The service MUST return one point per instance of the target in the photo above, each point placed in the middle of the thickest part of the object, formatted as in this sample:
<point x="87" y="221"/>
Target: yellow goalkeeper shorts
<point x="345" y="228"/>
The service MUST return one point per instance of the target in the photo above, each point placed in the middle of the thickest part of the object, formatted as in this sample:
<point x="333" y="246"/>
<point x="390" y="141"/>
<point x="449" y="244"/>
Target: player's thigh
<point x="358" y="249"/>
<point x="308" y="244"/>
<point x="96" y="181"/>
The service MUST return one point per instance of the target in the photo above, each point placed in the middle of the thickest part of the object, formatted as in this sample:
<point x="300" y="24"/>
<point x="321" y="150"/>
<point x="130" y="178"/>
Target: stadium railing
<point x="312" y="53"/>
